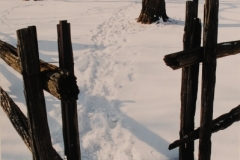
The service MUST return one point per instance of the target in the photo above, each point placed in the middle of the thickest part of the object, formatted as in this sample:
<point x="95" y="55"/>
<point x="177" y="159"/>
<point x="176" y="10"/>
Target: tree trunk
<point x="152" y="11"/>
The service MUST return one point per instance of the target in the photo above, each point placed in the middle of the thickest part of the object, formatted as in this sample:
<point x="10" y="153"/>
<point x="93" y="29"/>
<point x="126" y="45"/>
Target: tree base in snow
<point x="152" y="11"/>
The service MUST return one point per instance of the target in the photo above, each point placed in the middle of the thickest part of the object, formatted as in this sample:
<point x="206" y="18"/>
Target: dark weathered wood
<point x="192" y="56"/>
<point x="37" y="117"/>
<point x="58" y="82"/>
<point x="189" y="88"/>
<point x="15" y="115"/>
<point x="195" y="12"/>
<point x="152" y="11"/>
<point x="69" y="109"/>
<point x="222" y="122"/>
<point x="19" y="120"/>
<point x="208" y="77"/>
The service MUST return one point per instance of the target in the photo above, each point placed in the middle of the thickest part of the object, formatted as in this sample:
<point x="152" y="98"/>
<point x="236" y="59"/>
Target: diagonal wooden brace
<point x="19" y="120"/>
<point x="220" y="123"/>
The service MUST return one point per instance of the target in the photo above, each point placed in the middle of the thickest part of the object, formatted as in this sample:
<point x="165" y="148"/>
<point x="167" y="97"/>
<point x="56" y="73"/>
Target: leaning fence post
<point x="37" y="118"/>
<point x="189" y="88"/>
<point x="69" y="109"/>
<point x="208" y="77"/>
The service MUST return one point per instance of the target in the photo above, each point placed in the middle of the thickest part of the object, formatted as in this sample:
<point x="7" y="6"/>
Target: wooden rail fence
<point x="189" y="60"/>
<point x="39" y="75"/>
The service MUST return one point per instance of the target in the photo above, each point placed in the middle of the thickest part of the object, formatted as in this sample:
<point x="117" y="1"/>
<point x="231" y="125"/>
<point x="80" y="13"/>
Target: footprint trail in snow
<point x="104" y="137"/>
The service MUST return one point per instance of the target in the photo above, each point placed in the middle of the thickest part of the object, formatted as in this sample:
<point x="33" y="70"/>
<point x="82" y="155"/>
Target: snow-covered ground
<point x="129" y="105"/>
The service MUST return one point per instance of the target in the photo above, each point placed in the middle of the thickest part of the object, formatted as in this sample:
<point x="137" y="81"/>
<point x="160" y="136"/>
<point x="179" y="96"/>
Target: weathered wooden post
<point x="191" y="39"/>
<point x="37" y="117"/>
<point x="69" y="108"/>
<point x="208" y="76"/>
<point x="186" y="59"/>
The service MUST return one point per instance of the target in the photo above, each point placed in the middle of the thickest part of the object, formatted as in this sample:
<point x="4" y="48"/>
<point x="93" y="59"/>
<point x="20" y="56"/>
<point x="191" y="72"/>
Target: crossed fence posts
<point x="39" y="75"/>
<point x="189" y="60"/>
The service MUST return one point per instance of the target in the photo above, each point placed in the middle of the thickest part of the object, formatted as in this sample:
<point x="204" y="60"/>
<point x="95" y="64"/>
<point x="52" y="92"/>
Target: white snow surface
<point x="129" y="101"/>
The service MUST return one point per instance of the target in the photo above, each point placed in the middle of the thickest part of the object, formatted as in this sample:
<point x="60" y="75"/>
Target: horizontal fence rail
<point x="193" y="56"/>
<point x="58" y="82"/>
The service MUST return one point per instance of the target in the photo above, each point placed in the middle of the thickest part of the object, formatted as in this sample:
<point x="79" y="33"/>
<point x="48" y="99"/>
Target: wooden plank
<point x="192" y="56"/>
<point x="58" y="82"/>
<point x="189" y="87"/>
<point x="69" y="109"/>
<point x="208" y="77"/>
<point x="222" y="122"/>
<point x="19" y="120"/>
<point x="37" y="117"/>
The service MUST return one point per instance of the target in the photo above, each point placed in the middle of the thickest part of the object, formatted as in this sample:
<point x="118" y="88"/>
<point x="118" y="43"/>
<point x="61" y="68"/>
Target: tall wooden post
<point x="191" y="39"/>
<point x="69" y="109"/>
<point x="37" y="118"/>
<point x="208" y="76"/>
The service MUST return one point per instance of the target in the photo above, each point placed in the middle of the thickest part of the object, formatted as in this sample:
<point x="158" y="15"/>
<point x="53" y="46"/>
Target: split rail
<point x="189" y="60"/>
<point x="38" y="75"/>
